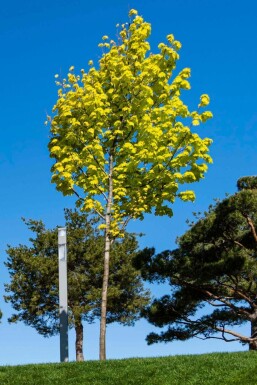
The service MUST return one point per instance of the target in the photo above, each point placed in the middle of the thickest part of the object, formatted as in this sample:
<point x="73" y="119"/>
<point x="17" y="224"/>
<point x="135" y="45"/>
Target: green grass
<point x="207" y="369"/>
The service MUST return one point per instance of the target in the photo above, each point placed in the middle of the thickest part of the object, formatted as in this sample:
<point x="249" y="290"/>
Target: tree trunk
<point x="79" y="339"/>
<point x="102" y="350"/>
<point x="253" y="345"/>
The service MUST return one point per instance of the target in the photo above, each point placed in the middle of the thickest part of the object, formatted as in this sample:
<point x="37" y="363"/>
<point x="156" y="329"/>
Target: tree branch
<point x="217" y="338"/>
<point x="250" y="223"/>
<point x="228" y="304"/>
<point x="97" y="212"/>
<point x="97" y="187"/>
<point x="126" y="222"/>
<point x="233" y="333"/>
<point x="221" y="299"/>
<point x="238" y="337"/>
<point x="237" y="291"/>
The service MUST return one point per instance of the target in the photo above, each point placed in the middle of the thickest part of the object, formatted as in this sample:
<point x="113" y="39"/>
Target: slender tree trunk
<point x="79" y="339"/>
<point x="253" y="345"/>
<point x="102" y="350"/>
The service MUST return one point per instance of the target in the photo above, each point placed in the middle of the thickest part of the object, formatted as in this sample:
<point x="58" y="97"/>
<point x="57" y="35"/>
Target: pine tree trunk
<point x="253" y="345"/>
<point x="102" y="350"/>
<point x="79" y="340"/>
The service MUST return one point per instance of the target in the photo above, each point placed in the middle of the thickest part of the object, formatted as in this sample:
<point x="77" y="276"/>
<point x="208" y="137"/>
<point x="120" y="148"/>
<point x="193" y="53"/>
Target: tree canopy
<point x="212" y="273"/>
<point x="126" y="119"/>
<point x="33" y="288"/>
<point x="122" y="138"/>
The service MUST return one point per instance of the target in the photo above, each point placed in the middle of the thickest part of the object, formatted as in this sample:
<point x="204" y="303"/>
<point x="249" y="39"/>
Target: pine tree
<point x="33" y="288"/>
<point x="212" y="273"/>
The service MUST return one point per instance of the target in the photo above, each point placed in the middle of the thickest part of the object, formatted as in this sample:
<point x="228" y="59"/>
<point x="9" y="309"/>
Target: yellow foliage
<point x="120" y="130"/>
<point x="204" y="100"/>
<point x="133" y="12"/>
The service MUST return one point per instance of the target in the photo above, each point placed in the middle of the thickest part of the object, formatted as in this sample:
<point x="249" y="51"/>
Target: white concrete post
<point x="63" y="294"/>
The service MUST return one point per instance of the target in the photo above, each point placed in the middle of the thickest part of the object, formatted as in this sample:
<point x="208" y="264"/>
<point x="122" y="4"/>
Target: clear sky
<point x="40" y="38"/>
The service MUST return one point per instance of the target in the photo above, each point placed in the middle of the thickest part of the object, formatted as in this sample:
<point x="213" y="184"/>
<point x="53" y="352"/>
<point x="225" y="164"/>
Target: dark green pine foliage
<point x="33" y="287"/>
<point x="212" y="274"/>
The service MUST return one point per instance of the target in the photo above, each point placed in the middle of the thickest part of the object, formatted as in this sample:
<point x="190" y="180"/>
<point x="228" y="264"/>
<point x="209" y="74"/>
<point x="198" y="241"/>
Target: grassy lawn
<point x="207" y="369"/>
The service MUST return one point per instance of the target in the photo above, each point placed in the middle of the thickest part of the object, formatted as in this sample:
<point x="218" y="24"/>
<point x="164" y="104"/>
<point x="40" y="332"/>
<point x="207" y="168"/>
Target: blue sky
<point x="41" y="38"/>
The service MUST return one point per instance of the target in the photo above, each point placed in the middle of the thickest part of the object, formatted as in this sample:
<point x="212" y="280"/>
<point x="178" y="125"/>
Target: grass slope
<point x="207" y="369"/>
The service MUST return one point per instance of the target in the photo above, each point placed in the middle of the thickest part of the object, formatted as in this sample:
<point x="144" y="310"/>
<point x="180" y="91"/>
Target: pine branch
<point x="238" y="336"/>
<point x="250" y="223"/>
<point x="223" y="300"/>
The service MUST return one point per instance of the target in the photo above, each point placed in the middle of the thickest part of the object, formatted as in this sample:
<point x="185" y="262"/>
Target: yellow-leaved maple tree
<point x="122" y="138"/>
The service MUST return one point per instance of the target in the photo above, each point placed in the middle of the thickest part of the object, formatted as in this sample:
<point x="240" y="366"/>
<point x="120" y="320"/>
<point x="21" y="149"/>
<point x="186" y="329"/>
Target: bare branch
<point x="98" y="213"/>
<point x="215" y="304"/>
<point x="240" y="244"/>
<point x="126" y="223"/>
<point x="75" y="192"/>
<point x="217" y="338"/>
<point x="238" y="336"/>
